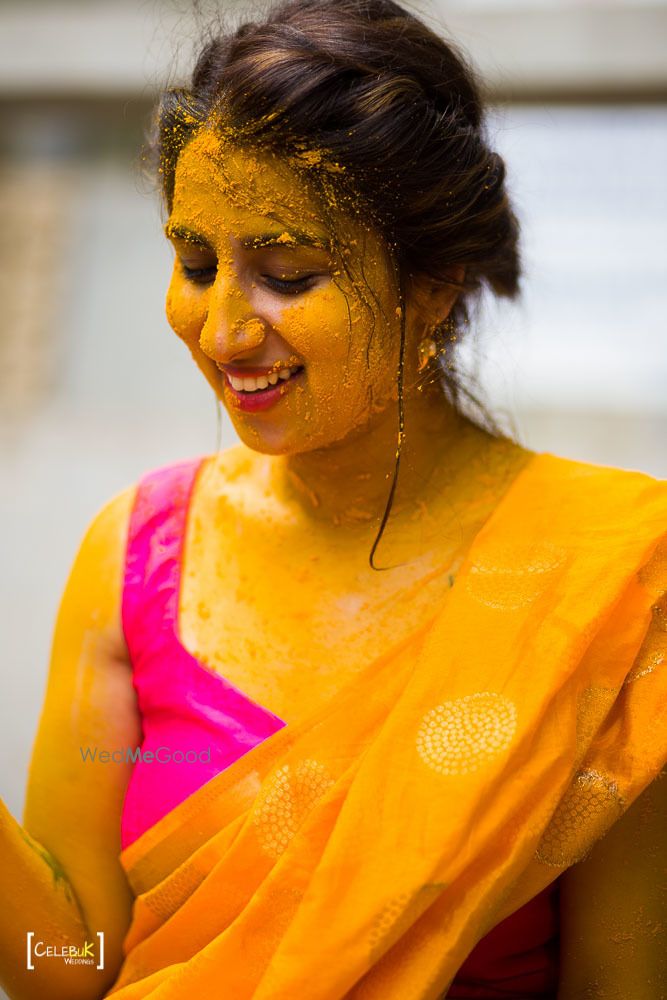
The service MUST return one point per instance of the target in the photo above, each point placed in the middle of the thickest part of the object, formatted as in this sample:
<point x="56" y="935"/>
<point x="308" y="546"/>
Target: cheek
<point x="349" y="352"/>
<point x="308" y="324"/>
<point x="186" y="309"/>
<point x="352" y="335"/>
<point x="325" y="327"/>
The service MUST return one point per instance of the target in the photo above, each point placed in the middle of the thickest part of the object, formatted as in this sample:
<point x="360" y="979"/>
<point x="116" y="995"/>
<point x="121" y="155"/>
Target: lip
<point x="251" y="402"/>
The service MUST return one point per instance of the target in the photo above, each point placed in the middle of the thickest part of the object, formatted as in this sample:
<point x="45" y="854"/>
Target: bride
<point x="377" y="696"/>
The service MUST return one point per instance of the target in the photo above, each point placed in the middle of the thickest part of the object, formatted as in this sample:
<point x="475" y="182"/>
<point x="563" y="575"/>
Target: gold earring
<point x="426" y="349"/>
<point x="432" y="344"/>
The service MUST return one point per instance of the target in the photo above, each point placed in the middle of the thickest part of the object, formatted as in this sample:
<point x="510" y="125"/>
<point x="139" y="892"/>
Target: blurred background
<point x="95" y="389"/>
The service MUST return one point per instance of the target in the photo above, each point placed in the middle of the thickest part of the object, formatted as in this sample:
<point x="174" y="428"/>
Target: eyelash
<point x="199" y="275"/>
<point x="292" y="287"/>
<point x="204" y="275"/>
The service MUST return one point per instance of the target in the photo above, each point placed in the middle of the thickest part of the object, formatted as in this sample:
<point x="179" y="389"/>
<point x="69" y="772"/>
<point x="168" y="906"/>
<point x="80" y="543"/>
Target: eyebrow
<point x="172" y="230"/>
<point x="287" y="238"/>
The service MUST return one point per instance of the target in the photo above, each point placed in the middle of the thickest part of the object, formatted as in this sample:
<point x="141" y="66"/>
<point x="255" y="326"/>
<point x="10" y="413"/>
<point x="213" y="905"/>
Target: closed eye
<point x="200" y="275"/>
<point x="289" y="286"/>
<point x="285" y="286"/>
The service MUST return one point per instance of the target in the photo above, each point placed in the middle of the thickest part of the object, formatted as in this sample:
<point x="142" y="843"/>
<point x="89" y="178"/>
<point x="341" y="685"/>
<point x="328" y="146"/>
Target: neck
<point x="347" y="484"/>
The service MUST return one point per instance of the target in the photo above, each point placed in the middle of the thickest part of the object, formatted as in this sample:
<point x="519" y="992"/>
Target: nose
<point x="232" y="327"/>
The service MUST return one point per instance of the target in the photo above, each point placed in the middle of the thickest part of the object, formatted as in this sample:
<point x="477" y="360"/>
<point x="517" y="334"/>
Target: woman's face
<point x="257" y="288"/>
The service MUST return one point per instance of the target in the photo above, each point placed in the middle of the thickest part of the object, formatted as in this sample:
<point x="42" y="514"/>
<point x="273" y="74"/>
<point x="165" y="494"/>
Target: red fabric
<point x="518" y="958"/>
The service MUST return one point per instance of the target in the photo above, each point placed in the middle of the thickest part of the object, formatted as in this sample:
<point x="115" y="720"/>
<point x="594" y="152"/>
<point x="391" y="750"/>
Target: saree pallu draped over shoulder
<point x="364" y="851"/>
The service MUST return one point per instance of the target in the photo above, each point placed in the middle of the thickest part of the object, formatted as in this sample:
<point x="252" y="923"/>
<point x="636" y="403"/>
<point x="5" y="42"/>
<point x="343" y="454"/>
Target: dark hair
<point x="396" y="109"/>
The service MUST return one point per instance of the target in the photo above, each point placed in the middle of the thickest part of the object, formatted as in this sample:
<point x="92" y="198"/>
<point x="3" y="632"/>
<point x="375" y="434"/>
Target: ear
<point x="431" y="301"/>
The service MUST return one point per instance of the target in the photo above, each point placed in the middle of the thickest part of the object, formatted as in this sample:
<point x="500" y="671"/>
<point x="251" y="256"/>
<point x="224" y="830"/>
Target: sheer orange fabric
<point x="365" y="851"/>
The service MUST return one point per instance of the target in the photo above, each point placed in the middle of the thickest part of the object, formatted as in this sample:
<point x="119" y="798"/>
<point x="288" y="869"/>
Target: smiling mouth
<point x="250" y="387"/>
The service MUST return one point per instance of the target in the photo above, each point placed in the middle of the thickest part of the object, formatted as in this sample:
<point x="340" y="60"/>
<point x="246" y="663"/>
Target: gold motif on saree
<point x="593" y="706"/>
<point x="653" y="650"/>
<point x="397" y="915"/>
<point x="513" y="575"/>
<point x="459" y="736"/>
<point x="589" y="807"/>
<point x="285" y="800"/>
<point x="652" y="574"/>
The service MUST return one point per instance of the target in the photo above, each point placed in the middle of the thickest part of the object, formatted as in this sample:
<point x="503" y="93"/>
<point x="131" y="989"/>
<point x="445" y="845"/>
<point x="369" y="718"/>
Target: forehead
<point x="218" y="182"/>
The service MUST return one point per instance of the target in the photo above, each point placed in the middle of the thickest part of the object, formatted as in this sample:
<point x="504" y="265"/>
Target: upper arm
<point x="614" y="908"/>
<point x="73" y="807"/>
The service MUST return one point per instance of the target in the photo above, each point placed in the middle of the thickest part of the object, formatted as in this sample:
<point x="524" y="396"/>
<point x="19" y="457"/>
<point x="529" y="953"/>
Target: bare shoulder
<point x="614" y="908"/>
<point x="95" y="581"/>
<point x="73" y="807"/>
<point x="106" y="533"/>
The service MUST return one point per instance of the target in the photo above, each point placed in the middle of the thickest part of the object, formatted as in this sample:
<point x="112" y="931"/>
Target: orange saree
<point x="363" y="852"/>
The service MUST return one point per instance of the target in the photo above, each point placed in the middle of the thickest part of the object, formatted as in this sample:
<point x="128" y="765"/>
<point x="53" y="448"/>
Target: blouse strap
<point x="151" y="580"/>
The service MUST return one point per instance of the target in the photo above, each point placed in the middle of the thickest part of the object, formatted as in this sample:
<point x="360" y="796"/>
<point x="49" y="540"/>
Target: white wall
<point x="521" y="46"/>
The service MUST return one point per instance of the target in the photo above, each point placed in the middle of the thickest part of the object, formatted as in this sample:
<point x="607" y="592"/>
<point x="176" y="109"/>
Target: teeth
<point x="250" y="384"/>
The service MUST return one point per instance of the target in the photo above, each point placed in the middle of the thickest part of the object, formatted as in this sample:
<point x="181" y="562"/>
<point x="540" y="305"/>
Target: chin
<point x="279" y="440"/>
<point x="266" y="441"/>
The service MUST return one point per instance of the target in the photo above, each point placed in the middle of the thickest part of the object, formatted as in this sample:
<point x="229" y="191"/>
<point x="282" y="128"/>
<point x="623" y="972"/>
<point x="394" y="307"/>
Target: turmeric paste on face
<point x="279" y="290"/>
<point x="267" y="275"/>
